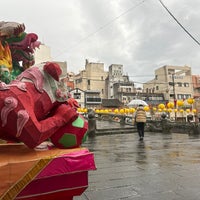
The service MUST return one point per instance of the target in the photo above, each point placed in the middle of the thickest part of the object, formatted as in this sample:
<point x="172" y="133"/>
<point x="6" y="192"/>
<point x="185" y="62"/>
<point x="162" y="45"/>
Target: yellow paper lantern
<point x="190" y="100"/>
<point x="126" y="110"/>
<point x="146" y="108"/>
<point x="180" y="103"/>
<point x="116" y="111"/>
<point x="85" y="110"/>
<point x="161" y="106"/>
<point x="181" y="110"/>
<point x="132" y="110"/>
<point x="169" y="110"/>
<point x="97" y="111"/>
<point x="175" y="110"/>
<point x="121" y="111"/>
<point x="154" y="109"/>
<point x="194" y="111"/>
<point x="170" y="105"/>
<point x="187" y="110"/>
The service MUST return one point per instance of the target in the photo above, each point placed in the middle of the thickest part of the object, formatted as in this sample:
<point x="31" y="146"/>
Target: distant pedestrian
<point x="140" y="119"/>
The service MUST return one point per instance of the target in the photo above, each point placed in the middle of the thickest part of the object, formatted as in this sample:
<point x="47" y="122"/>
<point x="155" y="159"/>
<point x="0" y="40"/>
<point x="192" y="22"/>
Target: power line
<point x="179" y="23"/>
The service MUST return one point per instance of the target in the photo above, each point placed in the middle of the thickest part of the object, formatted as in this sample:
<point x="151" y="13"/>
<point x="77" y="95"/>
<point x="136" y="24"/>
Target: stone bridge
<point x="121" y="123"/>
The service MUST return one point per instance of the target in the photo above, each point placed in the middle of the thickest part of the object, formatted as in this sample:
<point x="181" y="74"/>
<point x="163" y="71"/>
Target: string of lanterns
<point x="170" y="107"/>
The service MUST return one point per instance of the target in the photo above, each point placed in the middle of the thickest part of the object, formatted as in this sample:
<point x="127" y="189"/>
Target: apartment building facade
<point x="124" y="91"/>
<point x="42" y="54"/>
<point x="86" y="99"/>
<point x="196" y="86"/>
<point x="79" y="96"/>
<point x="118" y="85"/>
<point x="92" y="78"/>
<point x="175" y="82"/>
<point x="115" y="75"/>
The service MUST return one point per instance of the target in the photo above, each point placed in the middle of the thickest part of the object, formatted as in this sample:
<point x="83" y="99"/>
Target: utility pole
<point x="174" y="94"/>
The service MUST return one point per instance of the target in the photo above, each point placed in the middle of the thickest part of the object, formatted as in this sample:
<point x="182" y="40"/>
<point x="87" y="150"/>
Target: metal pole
<point x="174" y="94"/>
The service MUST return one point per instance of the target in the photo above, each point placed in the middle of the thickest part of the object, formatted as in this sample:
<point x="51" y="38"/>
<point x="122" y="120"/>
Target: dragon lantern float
<point x="37" y="113"/>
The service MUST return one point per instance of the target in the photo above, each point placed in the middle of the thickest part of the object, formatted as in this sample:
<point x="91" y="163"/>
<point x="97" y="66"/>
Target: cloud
<point x="139" y="34"/>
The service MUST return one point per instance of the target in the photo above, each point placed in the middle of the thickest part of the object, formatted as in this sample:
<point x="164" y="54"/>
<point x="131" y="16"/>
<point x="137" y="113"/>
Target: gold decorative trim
<point x="14" y="190"/>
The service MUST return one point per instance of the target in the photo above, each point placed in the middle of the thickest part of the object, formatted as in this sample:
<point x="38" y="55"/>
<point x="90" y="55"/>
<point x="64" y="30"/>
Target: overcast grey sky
<point x="139" y="34"/>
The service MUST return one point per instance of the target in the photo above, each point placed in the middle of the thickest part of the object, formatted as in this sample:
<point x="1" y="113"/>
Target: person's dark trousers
<point x="140" y="129"/>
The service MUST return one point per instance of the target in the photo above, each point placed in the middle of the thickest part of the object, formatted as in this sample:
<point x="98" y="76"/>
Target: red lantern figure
<point x="72" y="135"/>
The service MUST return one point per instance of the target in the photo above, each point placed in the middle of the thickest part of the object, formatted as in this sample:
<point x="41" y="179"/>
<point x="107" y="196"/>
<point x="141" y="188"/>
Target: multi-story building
<point x="196" y="86"/>
<point x="124" y="91"/>
<point x="86" y="99"/>
<point x="175" y="82"/>
<point x="115" y="75"/>
<point x="152" y="99"/>
<point x="118" y="85"/>
<point x="43" y="54"/>
<point x="92" y="78"/>
<point x="92" y="99"/>
<point x="79" y="96"/>
<point x="70" y="80"/>
<point x="63" y="66"/>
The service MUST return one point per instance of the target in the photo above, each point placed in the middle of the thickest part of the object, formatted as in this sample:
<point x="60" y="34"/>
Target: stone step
<point x="115" y="131"/>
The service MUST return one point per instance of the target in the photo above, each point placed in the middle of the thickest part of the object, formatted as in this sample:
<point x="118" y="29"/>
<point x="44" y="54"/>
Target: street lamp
<point x="174" y="95"/>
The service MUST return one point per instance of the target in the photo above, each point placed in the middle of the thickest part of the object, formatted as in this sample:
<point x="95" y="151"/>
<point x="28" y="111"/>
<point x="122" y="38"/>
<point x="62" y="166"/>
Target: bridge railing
<point x="162" y="125"/>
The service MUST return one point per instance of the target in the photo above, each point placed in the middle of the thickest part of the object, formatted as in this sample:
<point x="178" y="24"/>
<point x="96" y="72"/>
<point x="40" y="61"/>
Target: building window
<point x="179" y="84"/>
<point x="186" y="84"/>
<point x="88" y="82"/>
<point x="157" y="87"/>
<point x="180" y="96"/>
<point x="77" y="95"/>
<point x="183" y="96"/>
<point x="172" y="96"/>
<point x="79" y="80"/>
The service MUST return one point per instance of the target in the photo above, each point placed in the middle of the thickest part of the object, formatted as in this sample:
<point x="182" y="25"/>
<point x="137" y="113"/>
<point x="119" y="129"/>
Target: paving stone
<point x="163" y="166"/>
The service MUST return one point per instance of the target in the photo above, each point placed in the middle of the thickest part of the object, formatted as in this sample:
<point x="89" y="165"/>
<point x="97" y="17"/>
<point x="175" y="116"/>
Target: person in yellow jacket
<point x="140" y="119"/>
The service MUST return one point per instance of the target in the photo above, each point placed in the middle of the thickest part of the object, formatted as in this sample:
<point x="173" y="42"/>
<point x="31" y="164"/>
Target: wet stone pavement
<point x="162" y="167"/>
